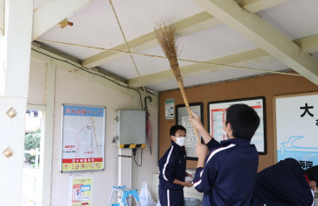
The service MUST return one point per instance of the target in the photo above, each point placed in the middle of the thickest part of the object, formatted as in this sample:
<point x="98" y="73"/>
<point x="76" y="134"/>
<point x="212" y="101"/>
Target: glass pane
<point x="31" y="182"/>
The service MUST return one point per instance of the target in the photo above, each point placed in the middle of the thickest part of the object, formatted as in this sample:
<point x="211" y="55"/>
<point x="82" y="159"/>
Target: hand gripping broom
<point x="166" y="37"/>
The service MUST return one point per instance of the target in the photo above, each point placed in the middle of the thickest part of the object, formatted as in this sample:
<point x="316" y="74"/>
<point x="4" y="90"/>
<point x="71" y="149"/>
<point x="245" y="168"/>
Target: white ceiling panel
<point x="38" y="3"/>
<point x="95" y="25"/>
<point x="209" y="44"/>
<point x="213" y="43"/>
<point x="295" y="18"/>
<point x="124" y="67"/>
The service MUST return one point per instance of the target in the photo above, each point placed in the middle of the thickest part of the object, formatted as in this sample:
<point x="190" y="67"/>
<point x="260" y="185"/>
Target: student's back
<point x="234" y="163"/>
<point x="283" y="184"/>
<point x="227" y="174"/>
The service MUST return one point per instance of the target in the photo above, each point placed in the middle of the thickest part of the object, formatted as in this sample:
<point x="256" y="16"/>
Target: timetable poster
<point x="217" y="118"/>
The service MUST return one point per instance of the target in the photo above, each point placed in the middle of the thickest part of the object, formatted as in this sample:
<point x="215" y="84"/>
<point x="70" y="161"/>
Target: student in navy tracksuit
<point x="172" y="167"/>
<point x="286" y="184"/>
<point x="227" y="173"/>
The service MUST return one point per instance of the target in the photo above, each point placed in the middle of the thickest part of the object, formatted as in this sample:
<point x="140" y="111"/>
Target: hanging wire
<point x="163" y="57"/>
<point x="134" y="154"/>
<point x="128" y="48"/>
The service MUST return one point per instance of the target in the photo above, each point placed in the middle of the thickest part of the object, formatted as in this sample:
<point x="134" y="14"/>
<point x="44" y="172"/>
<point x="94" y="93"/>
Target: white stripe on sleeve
<point x="197" y="183"/>
<point x="313" y="195"/>
<point x="219" y="150"/>
<point x="168" y="197"/>
<point x="211" y="155"/>
<point x="167" y="162"/>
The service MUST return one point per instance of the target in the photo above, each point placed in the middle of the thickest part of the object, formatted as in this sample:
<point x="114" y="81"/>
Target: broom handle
<point x="189" y="111"/>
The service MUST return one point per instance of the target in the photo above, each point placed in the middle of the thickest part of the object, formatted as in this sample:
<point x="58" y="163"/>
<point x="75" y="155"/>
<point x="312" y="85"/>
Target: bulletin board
<point x="268" y="86"/>
<point x="182" y="118"/>
<point x="217" y="117"/>
<point x="82" y="138"/>
<point x="296" y="128"/>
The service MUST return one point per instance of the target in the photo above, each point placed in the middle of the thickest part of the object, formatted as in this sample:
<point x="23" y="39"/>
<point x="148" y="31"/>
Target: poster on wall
<point x="297" y="128"/>
<point x="182" y="118"/>
<point x="217" y="117"/>
<point x="81" y="192"/>
<point x="169" y="108"/>
<point x="82" y="138"/>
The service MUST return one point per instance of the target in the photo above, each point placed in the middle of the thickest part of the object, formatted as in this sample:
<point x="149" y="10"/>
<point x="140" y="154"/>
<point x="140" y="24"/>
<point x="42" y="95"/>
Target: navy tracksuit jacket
<point x="283" y="184"/>
<point x="229" y="174"/>
<point x="172" y="165"/>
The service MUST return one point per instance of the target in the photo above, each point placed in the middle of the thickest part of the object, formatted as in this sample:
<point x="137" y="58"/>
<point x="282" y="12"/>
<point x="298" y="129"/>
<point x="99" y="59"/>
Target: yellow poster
<point x="81" y="191"/>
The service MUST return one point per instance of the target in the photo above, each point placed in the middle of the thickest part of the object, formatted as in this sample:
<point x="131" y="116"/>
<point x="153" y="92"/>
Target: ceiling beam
<point x="264" y="35"/>
<point x="254" y="6"/>
<point x="184" y="27"/>
<point x="308" y="44"/>
<point x="53" y="12"/>
<point x="240" y="59"/>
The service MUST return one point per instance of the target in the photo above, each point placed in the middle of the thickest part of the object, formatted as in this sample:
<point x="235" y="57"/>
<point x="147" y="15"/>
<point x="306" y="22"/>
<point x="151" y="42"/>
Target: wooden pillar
<point x="15" y="48"/>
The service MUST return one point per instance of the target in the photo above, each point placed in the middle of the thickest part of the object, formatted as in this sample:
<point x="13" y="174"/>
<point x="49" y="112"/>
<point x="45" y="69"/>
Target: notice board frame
<point x="294" y="140"/>
<point x="193" y="107"/>
<point x="223" y="105"/>
<point x="90" y="112"/>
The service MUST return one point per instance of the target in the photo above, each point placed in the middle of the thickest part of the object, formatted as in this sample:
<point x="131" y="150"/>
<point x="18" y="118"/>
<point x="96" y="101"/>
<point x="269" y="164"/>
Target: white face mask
<point x="180" y="141"/>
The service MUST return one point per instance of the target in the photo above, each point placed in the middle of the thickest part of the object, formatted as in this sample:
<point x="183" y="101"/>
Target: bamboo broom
<point x="166" y="37"/>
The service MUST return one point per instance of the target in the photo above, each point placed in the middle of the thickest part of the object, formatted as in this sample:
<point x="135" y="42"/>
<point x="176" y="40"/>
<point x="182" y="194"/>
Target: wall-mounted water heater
<point x="130" y="129"/>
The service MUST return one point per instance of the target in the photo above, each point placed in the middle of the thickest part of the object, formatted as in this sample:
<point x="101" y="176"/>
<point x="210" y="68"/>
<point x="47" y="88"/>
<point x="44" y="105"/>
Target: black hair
<point x="312" y="174"/>
<point x="243" y="119"/>
<point x="175" y="128"/>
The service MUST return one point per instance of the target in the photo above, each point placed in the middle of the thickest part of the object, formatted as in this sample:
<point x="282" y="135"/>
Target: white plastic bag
<point x="145" y="197"/>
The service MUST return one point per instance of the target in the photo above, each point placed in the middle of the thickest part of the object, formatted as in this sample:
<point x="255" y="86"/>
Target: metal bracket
<point x="115" y="139"/>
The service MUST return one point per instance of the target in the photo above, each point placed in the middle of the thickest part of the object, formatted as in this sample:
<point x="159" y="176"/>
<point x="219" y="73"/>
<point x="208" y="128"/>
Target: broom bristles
<point x="167" y="40"/>
<point x="165" y="35"/>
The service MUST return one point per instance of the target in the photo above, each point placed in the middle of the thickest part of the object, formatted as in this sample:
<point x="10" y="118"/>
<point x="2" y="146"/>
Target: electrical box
<point x="130" y="129"/>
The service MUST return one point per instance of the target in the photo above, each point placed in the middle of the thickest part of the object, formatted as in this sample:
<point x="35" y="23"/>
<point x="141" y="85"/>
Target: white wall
<point x="149" y="162"/>
<point x="37" y="82"/>
<point x="75" y="89"/>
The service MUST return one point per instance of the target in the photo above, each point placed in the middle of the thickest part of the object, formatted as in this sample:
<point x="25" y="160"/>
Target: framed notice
<point x="296" y="128"/>
<point x="217" y="117"/>
<point x="182" y="118"/>
<point x="83" y="138"/>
